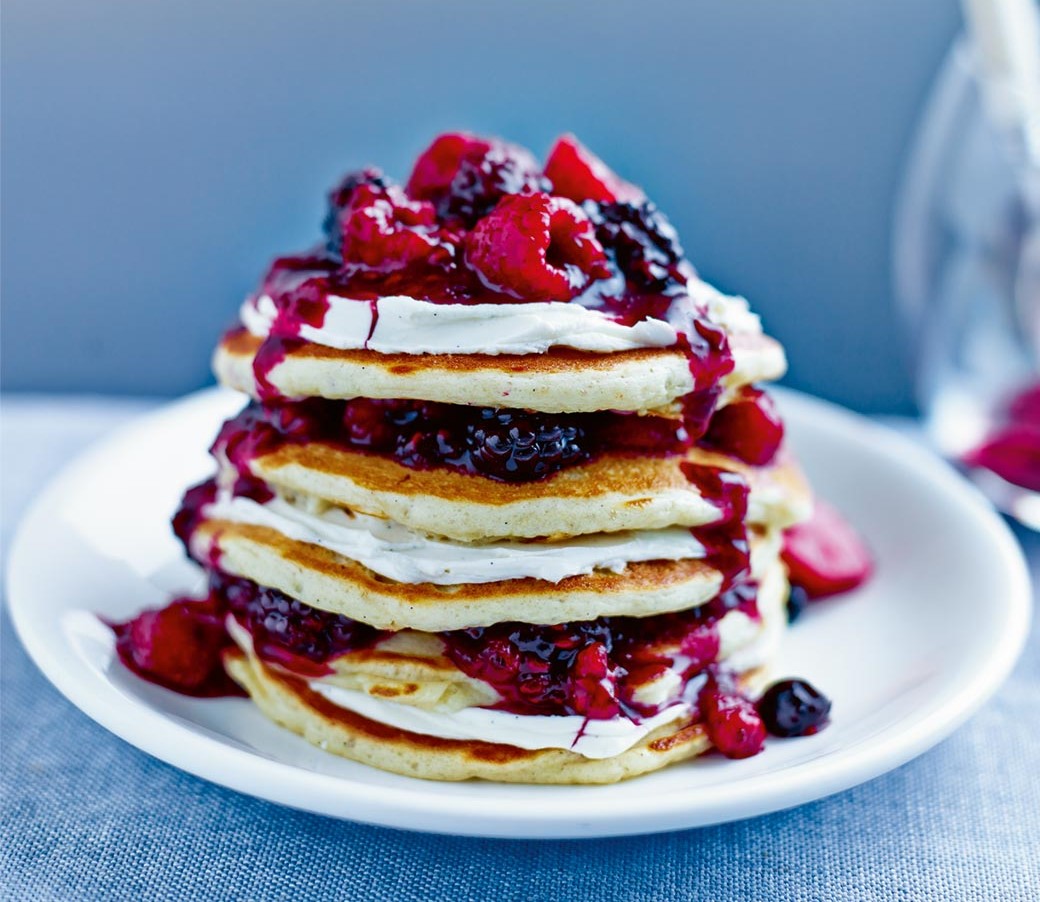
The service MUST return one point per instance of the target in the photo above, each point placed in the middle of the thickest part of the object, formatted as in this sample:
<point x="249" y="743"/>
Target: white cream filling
<point x="404" y="325"/>
<point x="407" y="556"/>
<point x="588" y="737"/>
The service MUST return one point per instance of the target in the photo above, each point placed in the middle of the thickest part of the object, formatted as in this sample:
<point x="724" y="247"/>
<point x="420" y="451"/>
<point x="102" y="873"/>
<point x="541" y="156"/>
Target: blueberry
<point x="794" y="708"/>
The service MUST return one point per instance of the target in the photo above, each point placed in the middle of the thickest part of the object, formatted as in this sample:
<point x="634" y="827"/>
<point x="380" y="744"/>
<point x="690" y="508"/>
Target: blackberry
<point x="515" y="448"/>
<point x="794" y="708"/>
<point x="644" y="244"/>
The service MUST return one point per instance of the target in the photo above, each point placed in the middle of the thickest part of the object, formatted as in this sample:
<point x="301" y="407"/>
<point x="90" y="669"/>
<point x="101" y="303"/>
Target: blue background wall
<point x="156" y="154"/>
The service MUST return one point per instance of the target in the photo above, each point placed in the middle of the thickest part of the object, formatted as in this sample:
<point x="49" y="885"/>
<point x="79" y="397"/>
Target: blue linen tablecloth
<point x="86" y="816"/>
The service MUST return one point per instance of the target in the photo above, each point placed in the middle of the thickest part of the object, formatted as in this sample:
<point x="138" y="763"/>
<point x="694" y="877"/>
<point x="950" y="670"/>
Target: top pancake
<point x="561" y="380"/>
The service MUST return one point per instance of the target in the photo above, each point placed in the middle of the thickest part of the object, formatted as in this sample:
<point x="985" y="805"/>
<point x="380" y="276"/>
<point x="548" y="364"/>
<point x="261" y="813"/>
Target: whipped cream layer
<point x="407" y="556"/>
<point x="404" y="325"/>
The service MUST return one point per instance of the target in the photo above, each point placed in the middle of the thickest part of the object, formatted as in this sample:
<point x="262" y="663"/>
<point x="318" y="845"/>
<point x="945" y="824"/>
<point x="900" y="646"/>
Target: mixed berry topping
<point x="794" y="708"/>
<point x="479" y="221"/>
<point x="340" y="198"/>
<point x="286" y="631"/>
<point x="500" y="443"/>
<point x="825" y="555"/>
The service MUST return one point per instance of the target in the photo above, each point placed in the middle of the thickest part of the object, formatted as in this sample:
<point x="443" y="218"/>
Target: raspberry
<point x="824" y="555"/>
<point x="794" y="708"/>
<point x="536" y="248"/>
<point x="749" y="428"/>
<point x="177" y="646"/>
<point x="339" y="199"/>
<point x="465" y="176"/>
<point x="577" y="173"/>
<point x="734" y="726"/>
<point x="643" y="243"/>
<point x="515" y="448"/>
<point x="384" y="231"/>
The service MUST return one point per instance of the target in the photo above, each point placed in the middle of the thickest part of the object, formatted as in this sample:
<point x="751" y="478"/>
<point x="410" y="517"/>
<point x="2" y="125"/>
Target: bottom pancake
<point x="292" y="704"/>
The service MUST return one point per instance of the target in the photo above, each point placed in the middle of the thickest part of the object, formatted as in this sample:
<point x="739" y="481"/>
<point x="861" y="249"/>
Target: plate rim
<point x="410" y="807"/>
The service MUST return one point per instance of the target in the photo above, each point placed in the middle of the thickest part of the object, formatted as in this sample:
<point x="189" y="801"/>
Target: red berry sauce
<point x="748" y="428"/>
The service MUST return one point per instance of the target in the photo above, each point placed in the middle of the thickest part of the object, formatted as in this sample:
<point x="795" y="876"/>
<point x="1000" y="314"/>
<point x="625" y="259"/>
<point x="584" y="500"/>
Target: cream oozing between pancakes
<point x="405" y="325"/>
<point x="405" y="555"/>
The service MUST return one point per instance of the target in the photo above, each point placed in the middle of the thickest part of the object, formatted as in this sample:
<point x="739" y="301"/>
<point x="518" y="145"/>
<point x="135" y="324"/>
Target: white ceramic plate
<point x="905" y="660"/>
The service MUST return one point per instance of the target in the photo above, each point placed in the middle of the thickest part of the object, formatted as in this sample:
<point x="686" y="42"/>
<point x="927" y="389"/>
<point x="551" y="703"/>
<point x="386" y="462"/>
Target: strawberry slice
<point x="825" y="555"/>
<point x="577" y="173"/>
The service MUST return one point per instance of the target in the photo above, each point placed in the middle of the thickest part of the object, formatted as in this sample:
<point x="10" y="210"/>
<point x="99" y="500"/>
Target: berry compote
<point x="479" y="221"/>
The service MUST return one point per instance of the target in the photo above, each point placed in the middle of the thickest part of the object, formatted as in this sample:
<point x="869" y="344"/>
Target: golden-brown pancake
<point x="561" y="380"/>
<point x="331" y="582"/>
<point x="607" y="494"/>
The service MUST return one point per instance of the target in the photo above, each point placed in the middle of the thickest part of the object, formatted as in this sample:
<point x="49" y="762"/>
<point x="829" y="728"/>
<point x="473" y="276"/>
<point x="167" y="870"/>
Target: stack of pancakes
<point x="448" y="623"/>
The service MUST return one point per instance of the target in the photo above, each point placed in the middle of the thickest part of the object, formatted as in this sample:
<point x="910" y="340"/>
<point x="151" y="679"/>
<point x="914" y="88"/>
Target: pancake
<point x="561" y="380"/>
<point x="607" y="494"/>
<point x="331" y="582"/>
<point x="292" y="704"/>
